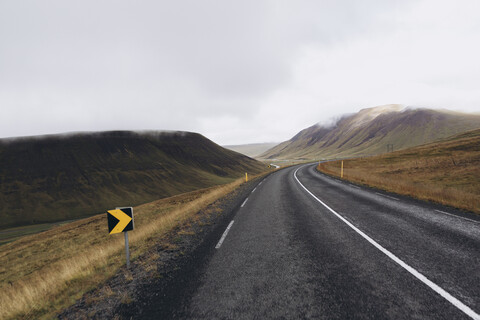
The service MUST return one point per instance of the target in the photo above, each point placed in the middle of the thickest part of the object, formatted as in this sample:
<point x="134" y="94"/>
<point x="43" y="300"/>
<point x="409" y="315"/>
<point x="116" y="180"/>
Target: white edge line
<point x="386" y="196"/>
<point x="244" y="203"/>
<point x="224" y="235"/>
<point x="453" y="215"/>
<point x="447" y="296"/>
<point x="254" y="190"/>
<point x="354" y="186"/>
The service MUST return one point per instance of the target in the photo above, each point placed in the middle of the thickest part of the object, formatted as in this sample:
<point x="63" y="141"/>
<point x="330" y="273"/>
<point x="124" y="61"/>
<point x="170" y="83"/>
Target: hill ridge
<point x="353" y="136"/>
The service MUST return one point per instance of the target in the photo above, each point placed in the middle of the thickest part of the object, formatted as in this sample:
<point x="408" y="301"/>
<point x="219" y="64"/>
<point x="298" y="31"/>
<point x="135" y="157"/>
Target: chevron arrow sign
<point x="120" y="220"/>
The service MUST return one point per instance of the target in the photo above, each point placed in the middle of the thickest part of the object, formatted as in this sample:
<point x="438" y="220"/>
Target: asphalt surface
<point x="304" y="245"/>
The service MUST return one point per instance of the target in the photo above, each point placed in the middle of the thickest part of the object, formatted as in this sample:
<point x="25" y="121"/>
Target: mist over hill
<point x="60" y="177"/>
<point x="371" y="130"/>
<point x="253" y="149"/>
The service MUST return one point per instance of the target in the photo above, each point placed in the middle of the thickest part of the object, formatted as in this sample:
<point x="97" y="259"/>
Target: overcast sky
<point x="235" y="71"/>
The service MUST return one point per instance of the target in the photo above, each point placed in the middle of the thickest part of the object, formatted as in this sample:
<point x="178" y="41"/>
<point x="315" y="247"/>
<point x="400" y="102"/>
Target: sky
<point x="235" y="71"/>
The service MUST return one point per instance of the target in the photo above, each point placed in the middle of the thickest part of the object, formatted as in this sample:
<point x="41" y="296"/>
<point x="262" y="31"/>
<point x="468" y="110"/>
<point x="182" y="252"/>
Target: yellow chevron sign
<point x="120" y="220"/>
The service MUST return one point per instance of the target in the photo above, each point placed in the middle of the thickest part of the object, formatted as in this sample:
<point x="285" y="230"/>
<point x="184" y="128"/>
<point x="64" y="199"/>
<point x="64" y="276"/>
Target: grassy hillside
<point x="446" y="172"/>
<point x="44" y="273"/>
<point x="62" y="177"/>
<point x="251" y="150"/>
<point x="369" y="131"/>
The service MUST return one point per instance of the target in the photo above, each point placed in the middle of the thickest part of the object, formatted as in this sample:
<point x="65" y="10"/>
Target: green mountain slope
<point x="369" y="131"/>
<point x="59" y="177"/>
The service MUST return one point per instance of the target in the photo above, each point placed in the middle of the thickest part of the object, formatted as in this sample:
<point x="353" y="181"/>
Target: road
<point x="304" y="245"/>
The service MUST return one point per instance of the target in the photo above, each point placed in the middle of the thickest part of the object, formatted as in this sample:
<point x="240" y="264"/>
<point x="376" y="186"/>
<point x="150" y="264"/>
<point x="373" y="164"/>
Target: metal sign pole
<point x="127" y="251"/>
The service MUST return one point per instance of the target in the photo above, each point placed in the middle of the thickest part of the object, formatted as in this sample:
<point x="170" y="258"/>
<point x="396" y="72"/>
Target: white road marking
<point x="260" y="182"/>
<point x="354" y="186"/>
<point x="224" y="235"/>
<point x="457" y="303"/>
<point x="254" y="190"/>
<point x="453" y="215"/>
<point x="244" y="203"/>
<point x="384" y="195"/>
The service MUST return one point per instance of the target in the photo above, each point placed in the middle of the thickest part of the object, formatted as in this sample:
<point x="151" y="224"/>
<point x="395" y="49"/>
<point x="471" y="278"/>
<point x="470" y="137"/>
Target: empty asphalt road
<point x="304" y="245"/>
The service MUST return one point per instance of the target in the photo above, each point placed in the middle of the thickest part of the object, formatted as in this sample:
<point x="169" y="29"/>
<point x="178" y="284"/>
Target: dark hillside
<point x="62" y="177"/>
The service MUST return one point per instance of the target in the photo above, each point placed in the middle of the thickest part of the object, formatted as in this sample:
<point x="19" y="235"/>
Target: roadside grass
<point x="446" y="172"/>
<point x="12" y="234"/>
<point x="44" y="273"/>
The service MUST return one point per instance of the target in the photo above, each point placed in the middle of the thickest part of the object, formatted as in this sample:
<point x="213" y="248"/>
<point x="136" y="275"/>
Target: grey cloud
<point x="86" y="65"/>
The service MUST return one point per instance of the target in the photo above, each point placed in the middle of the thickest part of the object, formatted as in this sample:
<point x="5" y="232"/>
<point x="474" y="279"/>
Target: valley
<point x="252" y="150"/>
<point x="185" y="190"/>
<point x="239" y="160"/>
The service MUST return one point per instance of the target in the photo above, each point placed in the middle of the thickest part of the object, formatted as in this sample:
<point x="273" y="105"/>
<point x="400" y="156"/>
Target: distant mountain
<point x="62" y="177"/>
<point x="253" y="149"/>
<point x="369" y="131"/>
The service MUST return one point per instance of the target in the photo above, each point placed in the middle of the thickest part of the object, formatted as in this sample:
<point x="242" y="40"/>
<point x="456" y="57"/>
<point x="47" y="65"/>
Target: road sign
<point x="120" y="220"/>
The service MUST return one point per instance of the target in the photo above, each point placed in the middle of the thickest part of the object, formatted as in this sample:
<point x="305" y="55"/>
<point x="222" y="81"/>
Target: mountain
<point x="253" y="149"/>
<point x="60" y="177"/>
<point x="371" y="130"/>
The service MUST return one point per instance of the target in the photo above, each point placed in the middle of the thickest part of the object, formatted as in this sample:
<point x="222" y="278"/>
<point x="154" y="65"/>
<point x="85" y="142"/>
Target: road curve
<point x="304" y="245"/>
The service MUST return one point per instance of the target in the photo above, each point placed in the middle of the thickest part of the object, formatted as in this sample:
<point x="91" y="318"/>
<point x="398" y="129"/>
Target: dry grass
<point x="43" y="273"/>
<point x="447" y="172"/>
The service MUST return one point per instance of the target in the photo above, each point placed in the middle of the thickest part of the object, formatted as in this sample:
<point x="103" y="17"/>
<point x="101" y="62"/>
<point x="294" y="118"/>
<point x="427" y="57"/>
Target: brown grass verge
<point x="44" y="273"/>
<point x="447" y="173"/>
